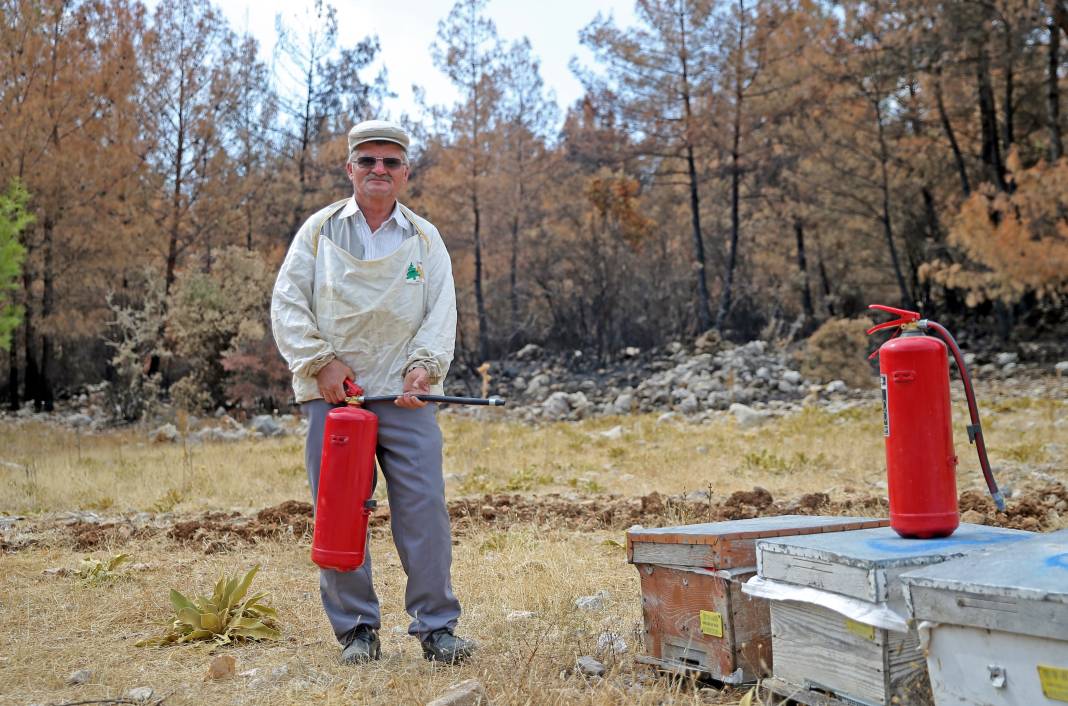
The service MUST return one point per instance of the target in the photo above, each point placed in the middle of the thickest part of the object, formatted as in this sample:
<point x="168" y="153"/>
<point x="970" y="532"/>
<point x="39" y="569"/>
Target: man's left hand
<point x="416" y="382"/>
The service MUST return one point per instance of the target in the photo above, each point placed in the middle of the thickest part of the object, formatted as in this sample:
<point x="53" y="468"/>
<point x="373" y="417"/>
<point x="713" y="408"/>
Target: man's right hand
<point x="330" y="380"/>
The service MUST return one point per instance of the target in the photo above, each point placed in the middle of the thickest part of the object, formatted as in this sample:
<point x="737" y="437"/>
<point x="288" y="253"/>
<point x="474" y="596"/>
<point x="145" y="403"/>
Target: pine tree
<point x="13" y="218"/>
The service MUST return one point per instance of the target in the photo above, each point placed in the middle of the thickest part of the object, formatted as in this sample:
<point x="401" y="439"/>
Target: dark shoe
<point x="361" y="645"/>
<point x="442" y="646"/>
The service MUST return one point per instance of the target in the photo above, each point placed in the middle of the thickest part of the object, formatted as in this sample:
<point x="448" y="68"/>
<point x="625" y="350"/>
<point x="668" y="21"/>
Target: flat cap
<point x="377" y="131"/>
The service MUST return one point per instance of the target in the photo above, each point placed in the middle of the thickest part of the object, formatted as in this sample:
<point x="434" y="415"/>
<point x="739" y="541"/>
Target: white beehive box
<point x="996" y="630"/>
<point x="838" y="615"/>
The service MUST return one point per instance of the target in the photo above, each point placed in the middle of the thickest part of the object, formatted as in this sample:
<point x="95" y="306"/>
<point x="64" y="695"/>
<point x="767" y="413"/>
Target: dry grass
<point x="54" y="625"/>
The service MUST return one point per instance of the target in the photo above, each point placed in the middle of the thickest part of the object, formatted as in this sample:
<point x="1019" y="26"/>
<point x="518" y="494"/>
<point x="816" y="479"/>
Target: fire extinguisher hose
<point x="975" y="430"/>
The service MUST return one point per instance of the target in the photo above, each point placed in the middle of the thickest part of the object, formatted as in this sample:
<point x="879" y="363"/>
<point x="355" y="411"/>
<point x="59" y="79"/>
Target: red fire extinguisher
<point x="346" y="476"/>
<point x="917" y="423"/>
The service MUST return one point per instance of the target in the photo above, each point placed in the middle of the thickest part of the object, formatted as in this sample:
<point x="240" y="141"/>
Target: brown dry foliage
<point x="838" y="350"/>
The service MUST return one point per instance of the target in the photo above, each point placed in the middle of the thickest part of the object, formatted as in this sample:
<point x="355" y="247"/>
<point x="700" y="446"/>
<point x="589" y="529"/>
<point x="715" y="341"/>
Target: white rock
<point x="1006" y="358"/>
<point x="466" y="693"/>
<point x="81" y="676"/>
<point x="615" y="432"/>
<point x="792" y="376"/>
<point x="632" y="352"/>
<point x="531" y="350"/>
<point x="623" y="404"/>
<point x="167" y="432"/>
<point x="266" y="425"/>
<point x="746" y="416"/>
<point x="141" y="693"/>
<point x="688" y="405"/>
<point x="80" y="421"/>
<point x="557" y="406"/>
<point x="666" y="417"/>
<point x="835" y="386"/>
<point x="1061" y="367"/>
<point x="610" y="642"/>
<point x="589" y="665"/>
<point x="594" y="602"/>
<point x="517" y="615"/>
<point x="538" y="385"/>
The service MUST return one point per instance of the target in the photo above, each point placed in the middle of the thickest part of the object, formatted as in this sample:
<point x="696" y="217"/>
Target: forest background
<point x="755" y="168"/>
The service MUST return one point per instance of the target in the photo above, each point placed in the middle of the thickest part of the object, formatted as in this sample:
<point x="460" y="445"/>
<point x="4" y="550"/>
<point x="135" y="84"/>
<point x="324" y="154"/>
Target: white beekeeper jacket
<point x="380" y="317"/>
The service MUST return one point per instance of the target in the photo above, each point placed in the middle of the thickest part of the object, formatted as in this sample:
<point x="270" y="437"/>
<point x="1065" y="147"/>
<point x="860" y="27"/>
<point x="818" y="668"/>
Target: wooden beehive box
<point x="996" y="629"/>
<point x="696" y="617"/>
<point x="839" y="621"/>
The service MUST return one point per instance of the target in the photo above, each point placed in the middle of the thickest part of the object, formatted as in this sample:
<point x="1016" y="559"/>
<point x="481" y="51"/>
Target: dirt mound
<point x="214" y="529"/>
<point x="618" y="512"/>
<point x="1038" y="508"/>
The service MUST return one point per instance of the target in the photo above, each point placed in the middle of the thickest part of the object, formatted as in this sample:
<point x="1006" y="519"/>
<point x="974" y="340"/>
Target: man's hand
<point x="416" y="382"/>
<point x="330" y="380"/>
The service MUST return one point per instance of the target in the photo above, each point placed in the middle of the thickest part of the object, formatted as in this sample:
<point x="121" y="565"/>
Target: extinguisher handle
<point x="905" y="317"/>
<point x="351" y="388"/>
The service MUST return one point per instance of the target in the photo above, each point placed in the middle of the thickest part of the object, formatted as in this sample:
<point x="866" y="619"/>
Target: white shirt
<point x="354" y="233"/>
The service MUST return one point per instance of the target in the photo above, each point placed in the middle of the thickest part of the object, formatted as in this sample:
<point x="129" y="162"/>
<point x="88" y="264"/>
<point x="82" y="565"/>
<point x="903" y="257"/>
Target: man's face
<point x="377" y="182"/>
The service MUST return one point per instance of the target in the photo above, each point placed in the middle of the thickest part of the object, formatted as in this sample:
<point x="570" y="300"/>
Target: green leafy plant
<point x="97" y="571"/>
<point x="226" y="617"/>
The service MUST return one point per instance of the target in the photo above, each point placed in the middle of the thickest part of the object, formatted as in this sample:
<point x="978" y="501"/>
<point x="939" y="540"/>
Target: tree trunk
<point x="704" y="311"/>
<point x="47" y="394"/>
<point x="802" y="268"/>
<point x="888" y="230"/>
<point x="480" y="304"/>
<point x="825" y="281"/>
<point x="302" y="158"/>
<point x="1053" y="96"/>
<point x="513" y="273"/>
<point x="732" y="256"/>
<point x="736" y="177"/>
<point x="988" y="121"/>
<point x="32" y="376"/>
<point x="1009" y="136"/>
<point x="958" y="157"/>
<point x="13" y="375"/>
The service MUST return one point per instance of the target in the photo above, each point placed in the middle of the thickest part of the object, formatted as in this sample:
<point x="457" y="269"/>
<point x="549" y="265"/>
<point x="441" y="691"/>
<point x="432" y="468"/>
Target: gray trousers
<point x="409" y="455"/>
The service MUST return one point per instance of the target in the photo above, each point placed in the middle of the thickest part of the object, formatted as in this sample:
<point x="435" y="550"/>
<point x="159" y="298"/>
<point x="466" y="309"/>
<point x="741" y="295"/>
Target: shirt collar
<point x="352" y="208"/>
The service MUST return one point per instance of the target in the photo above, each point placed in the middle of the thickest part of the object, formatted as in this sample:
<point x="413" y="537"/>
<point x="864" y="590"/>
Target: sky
<point x="407" y="29"/>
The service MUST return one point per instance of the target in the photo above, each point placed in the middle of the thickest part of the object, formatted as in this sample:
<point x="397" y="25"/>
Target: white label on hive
<point x="711" y="623"/>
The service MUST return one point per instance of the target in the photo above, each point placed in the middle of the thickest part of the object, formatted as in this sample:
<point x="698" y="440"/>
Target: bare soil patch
<point x="1037" y="507"/>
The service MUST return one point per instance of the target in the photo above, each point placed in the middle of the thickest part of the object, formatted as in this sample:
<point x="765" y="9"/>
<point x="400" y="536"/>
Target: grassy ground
<point x="54" y="624"/>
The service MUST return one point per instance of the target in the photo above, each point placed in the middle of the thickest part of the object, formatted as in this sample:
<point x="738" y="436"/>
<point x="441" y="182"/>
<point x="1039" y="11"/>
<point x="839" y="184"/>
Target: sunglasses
<point x="387" y="162"/>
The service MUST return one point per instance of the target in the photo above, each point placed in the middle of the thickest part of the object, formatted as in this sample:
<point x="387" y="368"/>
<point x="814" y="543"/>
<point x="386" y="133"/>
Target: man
<point x="366" y="293"/>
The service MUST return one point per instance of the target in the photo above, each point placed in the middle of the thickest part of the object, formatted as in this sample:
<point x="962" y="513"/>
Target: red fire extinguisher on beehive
<point x="343" y="505"/>
<point x="917" y="423"/>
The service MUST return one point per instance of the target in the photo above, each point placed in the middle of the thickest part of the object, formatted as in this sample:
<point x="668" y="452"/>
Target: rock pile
<point x="693" y="383"/>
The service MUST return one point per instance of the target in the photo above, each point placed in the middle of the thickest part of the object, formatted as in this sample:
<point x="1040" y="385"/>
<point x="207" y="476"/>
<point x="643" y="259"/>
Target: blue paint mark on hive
<point x="1058" y="561"/>
<point x="935" y="546"/>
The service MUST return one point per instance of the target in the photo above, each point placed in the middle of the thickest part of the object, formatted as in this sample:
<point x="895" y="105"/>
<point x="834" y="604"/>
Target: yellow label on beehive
<point x="861" y="629"/>
<point x="711" y="623"/>
<point x="1054" y="682"/>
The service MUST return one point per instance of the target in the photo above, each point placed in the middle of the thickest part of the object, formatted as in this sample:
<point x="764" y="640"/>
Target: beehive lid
<point x="866" y="563"/>
<point x="730" y="544"/>
<point x="1022" y="588"/>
